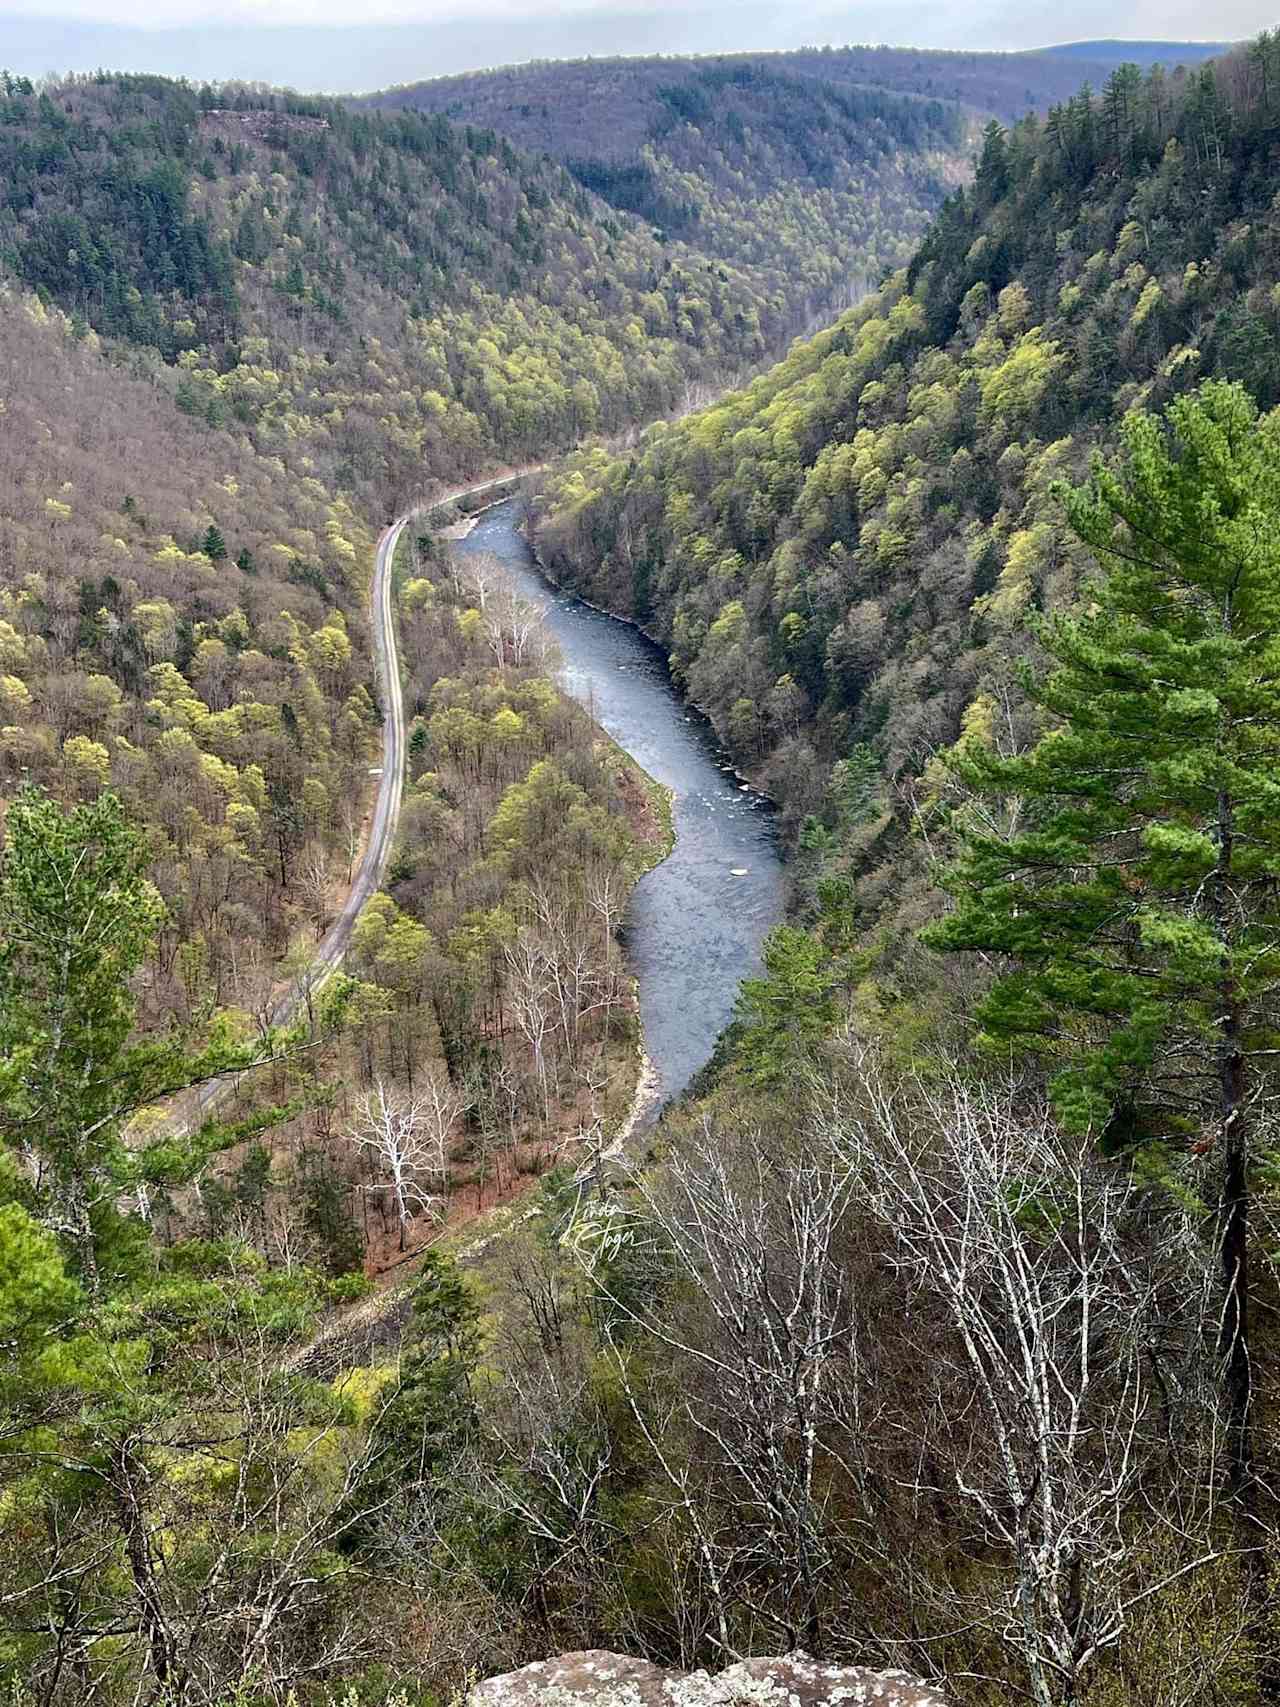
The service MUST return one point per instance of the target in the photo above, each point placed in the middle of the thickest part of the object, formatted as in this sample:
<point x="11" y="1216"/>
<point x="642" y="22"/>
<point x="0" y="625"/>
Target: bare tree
<point x="484" y="577"/>
<point x="531" y="979"/>
<point x="606" y="895"/>
<point x="315" y="880"/>
<point x="764" y="1334"/>
<point x="405" y="1138"/>
<point x="351" y="815"/>
<point x="493" y="1094"/>
<point x="441" y="1103"/>
<point x="547" y="1468"/>
<point x="1080" y="1308"/>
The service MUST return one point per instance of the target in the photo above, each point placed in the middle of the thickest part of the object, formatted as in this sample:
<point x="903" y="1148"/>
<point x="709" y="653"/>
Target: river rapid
<point x="696" y="922"/>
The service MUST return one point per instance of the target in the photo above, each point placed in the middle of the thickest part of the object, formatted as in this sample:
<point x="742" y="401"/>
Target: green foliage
<point x="1138" y="885"/>
<point x="36" y="1293"/>
<point x="387" y="290"/>
<point x="789" y="1010"/>
<point x="422" y="1426"/>
<point x="78" y="916"/>
<point x="876" y="506"/>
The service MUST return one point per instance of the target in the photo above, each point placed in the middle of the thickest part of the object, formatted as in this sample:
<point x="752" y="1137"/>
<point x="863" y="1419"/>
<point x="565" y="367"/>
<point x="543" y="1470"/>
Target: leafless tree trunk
<point x="767" y="1343"/>
<point x="531" y="991"/>
<point x="1080" y="1313"/>
<point x="406" y="1137"/>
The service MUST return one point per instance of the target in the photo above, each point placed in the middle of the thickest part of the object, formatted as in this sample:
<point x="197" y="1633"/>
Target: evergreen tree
<point x="77" y="919"/>
<point x="1136" y="894"/>
<point x="213" y="545"/>
<point x="991" y="182"/>
<point x="1121" y="98"/>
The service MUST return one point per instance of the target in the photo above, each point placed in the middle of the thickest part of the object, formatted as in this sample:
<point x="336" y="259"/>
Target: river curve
<point x="696" y="922"/>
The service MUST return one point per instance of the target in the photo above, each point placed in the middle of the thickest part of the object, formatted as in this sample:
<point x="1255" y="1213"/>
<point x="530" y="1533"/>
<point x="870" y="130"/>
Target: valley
<point x="694" y="925"/>
<point x="639" y="945"/>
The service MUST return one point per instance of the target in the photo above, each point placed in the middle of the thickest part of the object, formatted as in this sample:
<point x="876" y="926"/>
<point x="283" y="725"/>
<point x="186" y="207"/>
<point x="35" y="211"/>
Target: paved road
<point x="386" y="811"/>
<point x="386" y="816"/>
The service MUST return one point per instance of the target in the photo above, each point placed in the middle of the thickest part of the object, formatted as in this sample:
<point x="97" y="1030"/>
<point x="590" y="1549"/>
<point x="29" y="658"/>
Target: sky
<point x="341" y="45"/>
<point x="1017" y="24"/>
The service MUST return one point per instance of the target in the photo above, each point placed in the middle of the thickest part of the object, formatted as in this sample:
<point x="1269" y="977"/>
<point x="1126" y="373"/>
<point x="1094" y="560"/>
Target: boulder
<point x="599" y="1679"/>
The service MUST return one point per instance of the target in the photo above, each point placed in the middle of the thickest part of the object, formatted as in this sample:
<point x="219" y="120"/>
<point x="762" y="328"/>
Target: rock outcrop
<point x="599" y="1679"/>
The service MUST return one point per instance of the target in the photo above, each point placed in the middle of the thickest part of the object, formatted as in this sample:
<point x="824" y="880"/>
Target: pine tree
<point x="1121" y="95"/>
<point x="1137" y="897"/>
<point x="78" y="916"/>
<point x="991" y="181"/>
<point x="214" y="546"/>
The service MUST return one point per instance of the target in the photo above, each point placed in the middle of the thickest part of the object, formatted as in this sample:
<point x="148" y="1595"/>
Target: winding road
<point x="386" y="810"/>
<point x="369" y="874"/>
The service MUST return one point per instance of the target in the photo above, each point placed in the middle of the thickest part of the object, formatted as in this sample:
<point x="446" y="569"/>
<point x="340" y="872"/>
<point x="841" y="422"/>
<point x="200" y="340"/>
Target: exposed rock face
<point x="261" y="124"/>
<point x="599" y="1679"/>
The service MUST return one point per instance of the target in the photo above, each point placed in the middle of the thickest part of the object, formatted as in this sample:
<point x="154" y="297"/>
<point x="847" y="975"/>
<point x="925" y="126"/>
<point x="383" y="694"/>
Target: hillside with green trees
<point x="348" y="1361"/>
<point x="811" y="183"/>
<point x="811" y="165"/>
<point x="986" y="581"/>
<point x="189" y="1499"/>
<point x="843" y="553"/>
<point x="384" y="296"/>
<point x="240" y="331"/>
<point x="607" y="108"/>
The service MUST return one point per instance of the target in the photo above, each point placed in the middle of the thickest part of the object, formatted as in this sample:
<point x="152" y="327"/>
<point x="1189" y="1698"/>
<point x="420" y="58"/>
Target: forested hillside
<point x="607" y="107"/>
<point x="377" y="294"/>
<point x="241" y="330"/>
<point x="186" y="621"/>
<point x="844" y="552"/>
<point x="812" y="182"/>
<point x="986" y="581"/>
<point x="811" y="165"/>
<point x="937" y="1329"/>
<point x="237" y="333"/>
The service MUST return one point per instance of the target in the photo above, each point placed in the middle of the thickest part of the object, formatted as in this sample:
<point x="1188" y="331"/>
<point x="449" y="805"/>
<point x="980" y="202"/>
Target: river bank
<point x="695" y="924"/>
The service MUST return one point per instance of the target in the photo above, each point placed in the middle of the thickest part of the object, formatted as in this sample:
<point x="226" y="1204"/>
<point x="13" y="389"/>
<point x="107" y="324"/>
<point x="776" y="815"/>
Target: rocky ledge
<point x="599" y="1679"/>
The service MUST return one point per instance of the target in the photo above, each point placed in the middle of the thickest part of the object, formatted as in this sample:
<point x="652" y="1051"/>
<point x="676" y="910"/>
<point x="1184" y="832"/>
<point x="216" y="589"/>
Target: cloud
<point x="316" y="45"/>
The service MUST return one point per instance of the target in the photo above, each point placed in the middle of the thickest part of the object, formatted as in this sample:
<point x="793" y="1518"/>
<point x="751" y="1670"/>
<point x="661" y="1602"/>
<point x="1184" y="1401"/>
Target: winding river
<point x="695" y="923"/>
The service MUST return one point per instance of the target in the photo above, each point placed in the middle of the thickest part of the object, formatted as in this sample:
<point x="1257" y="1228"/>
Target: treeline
<point x="610" y="105"/>
<point x="376" y="294"/>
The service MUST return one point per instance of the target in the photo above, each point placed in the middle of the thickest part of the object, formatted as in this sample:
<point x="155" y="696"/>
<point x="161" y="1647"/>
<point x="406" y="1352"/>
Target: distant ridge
<point x="609" y="105"/>
<point x="365" y="56"/>
<point x="1144" y="53"/>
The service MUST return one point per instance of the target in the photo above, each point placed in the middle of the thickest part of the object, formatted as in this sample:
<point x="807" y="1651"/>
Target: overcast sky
<point x="1019" y="24"/>
<point x="349" y="45"/>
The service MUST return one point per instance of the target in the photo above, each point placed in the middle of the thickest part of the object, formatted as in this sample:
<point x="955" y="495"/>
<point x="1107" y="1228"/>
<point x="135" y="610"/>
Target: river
<point x="696" y="922"/>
